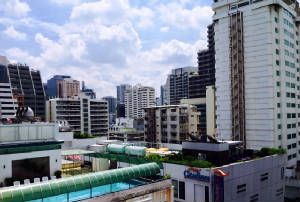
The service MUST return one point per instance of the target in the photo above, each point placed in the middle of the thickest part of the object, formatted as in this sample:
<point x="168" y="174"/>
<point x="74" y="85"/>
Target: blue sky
<point x="104" y="42"/>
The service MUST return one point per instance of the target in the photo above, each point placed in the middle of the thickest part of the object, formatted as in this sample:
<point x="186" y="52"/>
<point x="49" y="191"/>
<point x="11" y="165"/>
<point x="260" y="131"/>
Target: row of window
<point x="286" y="22"/>
<point x="291" y="136"/>
<point x="287" y="13"/>
<point x="290" y="95"/>
<point x="290" y="85"/>
<point x="289" y="64"/>
<point x="289" y="34"/>
<point x="288" y="43"/>
<point x="290" y="54"/>
<point x="292" y="146"/>
<point x="292" y="156"/>
<point x="290" y="74"/>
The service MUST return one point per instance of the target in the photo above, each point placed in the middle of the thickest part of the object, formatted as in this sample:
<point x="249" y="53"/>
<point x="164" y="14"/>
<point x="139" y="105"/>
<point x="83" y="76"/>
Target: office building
<point x="112" y="105"/>
<point x="177" y="85"/>
<point x="257" y="73"/>
<point x="67" y="87"/>
<point x="84" y="115"/>
<point x="121" y="93"/>
<point x="137" y="98"/>
<point x="162" y="95"/>
<point x="27" y="88"/>
<point x="51" y="91"/>
<point x="170" y="123"/>
<point x="7" y="103"/>
<point x="206" y="68"/>
<point x="88" y="91"/>
<point x="120" y="110"/>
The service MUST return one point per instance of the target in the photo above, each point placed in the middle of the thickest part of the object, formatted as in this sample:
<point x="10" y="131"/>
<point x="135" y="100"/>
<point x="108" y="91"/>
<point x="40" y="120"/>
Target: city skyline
<point x="132" y="43"/>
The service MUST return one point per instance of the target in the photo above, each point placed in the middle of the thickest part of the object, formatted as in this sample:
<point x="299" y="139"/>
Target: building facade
<point x="8" y="104"/>
<point x="206" y="68"/>
<point x="67" y="88"/>
<point x="170" y="123"/>
<point x="83" y="114"/>
<point x="27" y="87"/>
<point x="51" y="90"/>
<point x="121" y="92"/>
<point x="177" y="85"/>
<point x="257" y="73"/>
<point x="137" y="98"/>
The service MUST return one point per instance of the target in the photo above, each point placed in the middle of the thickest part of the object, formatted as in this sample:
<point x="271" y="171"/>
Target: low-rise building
<point x="28" y="151"/>
<point x="126" y="135"/>
<point x="170" y="123"/>
<point x="84" y="115"/>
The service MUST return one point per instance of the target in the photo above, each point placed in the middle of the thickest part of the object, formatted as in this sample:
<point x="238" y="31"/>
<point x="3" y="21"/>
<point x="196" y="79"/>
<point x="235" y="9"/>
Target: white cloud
<point x="14" y="8"/>
<point x="13" y="33"/>
<point x="164" y="29"/>
<point x="176" y="15"/>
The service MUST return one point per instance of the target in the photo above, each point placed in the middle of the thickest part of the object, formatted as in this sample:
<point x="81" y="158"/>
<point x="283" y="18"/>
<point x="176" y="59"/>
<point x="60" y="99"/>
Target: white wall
<point x="54" y="161"/>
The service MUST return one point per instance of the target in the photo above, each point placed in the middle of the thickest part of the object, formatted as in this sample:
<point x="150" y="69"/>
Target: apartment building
<point x="51" y="90"/>
<point x="170" y="123"/>
<point x="257" y="73"/>
<point x="67" y="87"/>
<point x="137" y="98"/>
<point x="177" y="85"/>
<point x="84" y="115"/>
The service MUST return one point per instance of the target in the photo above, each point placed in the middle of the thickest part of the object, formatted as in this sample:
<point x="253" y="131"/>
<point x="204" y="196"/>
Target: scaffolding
<point x="237" y="77"/>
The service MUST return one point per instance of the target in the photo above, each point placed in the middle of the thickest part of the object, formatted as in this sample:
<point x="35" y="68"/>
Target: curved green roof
<point x="77" y="183"/>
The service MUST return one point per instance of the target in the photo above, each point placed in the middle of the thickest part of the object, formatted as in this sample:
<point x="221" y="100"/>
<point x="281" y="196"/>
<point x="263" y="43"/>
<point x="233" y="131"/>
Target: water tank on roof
<point x="115" y="148"/>
<point x="136" y="151"/>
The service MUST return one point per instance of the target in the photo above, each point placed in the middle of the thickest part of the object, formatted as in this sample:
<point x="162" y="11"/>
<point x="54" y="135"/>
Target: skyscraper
<point x="67" y="87"/>
<point x="206" y="68"/>
<point x="137" y="98"/>
<point x="27" y="84"/>
<point x="52" y="83"/>
<point x="121" y="93"/>
<point x="257" y="73"/>
<point x="177" y="85"/>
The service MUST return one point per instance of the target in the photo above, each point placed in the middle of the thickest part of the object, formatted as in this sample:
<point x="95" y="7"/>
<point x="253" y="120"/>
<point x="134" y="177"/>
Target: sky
<point x="105" y="42"/>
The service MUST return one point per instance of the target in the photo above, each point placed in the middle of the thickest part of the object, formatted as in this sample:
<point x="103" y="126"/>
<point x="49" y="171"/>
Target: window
<point x="279" y="126"/>
<point x="276" y="30"/>
<point x="278" y="83"/>
<point x="279" y="137"/>
<point x="277" y="51"/>
<point x="264" y="177"/>
<point x="277" y="62"/>
<point x="277" y="41"/>
<point x="278" y="94"/>
<point x="278" y="116"/>
<point x="182" y="190"/>
<point x="278" y="105"/>
<point x="241" y="188"/>
<point x="278" y="73"/>
<point x="206" y="194"/>
<point x="289" y="136"/>
<point x="276" y="20"/>
<point x="175" y="184"/>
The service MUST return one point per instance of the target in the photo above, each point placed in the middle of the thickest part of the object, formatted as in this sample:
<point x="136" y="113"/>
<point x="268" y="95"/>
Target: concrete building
<point x="112" y="105"/>
<point x="51" y="91"/>
<point x="8" y="104"/>
<point x="207" y="109"/>
<point x="28" y="151"/>
<point x="84" y="115"/>
<point x="170" y="123"/>
<point x="67" y="87"/>
<point x="121" y="93"/>
<point x="206" y="68"/>
<point x="26" y="85"/>
<point x="177" y="85"/>
<point x="257" y="73"/>
<point x="137" y="98"/>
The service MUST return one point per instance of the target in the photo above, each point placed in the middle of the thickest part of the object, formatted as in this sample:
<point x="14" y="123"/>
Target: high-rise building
<point x="121" y="93"/>
<point x="137" y="98"/>
<point x="88" y="91"/>
<point x="257" y="73"/>
<point x="162" y="95"/>
<point x="67" y="88"/>
<point x="112" y="105"/>
<point x="206" y="68"/>
<point x="83" y="114"/>
<point x="27" y="86"/>
<point x="120" y="110"/>
<point x="177" y="85"/>
<point x="170" y="123"/>
<point x="51" y="91"/>
<point x="8" y="104"/>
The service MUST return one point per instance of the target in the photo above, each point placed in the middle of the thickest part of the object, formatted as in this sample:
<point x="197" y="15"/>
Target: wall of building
<point x="6" y="161"/>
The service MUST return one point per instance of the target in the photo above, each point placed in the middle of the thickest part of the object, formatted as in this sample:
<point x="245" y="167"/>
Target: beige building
<point x="67" y="88"/>
<point x="207" y="108"/>
<point x="170" y="123"/>
<point x="137" y="98"/>
<point x="83" y="114"/>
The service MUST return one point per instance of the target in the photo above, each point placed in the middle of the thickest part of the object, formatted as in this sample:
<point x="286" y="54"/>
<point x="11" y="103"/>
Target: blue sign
<point x="196" y="175"/>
